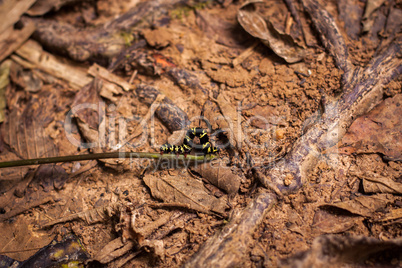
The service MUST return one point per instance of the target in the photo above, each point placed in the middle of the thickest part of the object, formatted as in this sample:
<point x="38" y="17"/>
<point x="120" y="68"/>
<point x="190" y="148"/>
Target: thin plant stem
<point x="121" y="155"/>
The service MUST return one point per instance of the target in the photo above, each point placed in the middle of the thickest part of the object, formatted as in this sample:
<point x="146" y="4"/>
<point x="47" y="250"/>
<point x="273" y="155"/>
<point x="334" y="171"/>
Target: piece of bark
<point x="96" y="44"/>
<point x="330" y="35"/>
<point x="233" y="118"/>
<point x="33" y="57"/>
<point x="11" y="11"/>
<point x="26" y="206"/>
<point x="4" y="83"/>
<point x="11" y="39"/>
<point x="69" y="71"/>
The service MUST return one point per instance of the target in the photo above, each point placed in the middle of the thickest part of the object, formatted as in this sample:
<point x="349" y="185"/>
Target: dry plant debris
<point x="309" y="168"/>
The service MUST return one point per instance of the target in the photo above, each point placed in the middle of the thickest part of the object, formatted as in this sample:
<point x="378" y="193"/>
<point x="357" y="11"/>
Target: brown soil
<point x="274" y="102"/>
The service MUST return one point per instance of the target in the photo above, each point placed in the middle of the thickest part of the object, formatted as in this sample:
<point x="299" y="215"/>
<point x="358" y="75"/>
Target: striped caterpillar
<point x="188" y="143"/>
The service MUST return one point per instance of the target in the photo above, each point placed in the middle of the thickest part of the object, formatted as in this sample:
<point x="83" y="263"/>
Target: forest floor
<point x="165" y="215"/>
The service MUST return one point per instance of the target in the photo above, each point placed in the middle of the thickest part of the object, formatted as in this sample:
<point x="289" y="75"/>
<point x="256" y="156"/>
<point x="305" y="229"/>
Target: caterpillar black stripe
<point x="188" y="144"/>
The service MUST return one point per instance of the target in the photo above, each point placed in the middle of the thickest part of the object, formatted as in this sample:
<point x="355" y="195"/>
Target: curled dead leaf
<point x="363" y="205"/>
<point x="281" y="43"/>
<point x="219" y="175"/>
<point x="375" y="183"/>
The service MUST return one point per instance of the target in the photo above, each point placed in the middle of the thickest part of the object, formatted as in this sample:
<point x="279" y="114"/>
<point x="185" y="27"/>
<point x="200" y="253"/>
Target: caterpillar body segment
<point x="208" y="148"/>
<point x="198" y="132"/>
<point x="188" y="144"/>
<point x="169" y="148"/>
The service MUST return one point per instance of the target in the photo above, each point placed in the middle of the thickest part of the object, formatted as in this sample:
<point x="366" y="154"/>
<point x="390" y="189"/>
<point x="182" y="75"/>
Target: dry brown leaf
<point x="233" y="119"/>
<point x="187" y="192"/>
<point x="219" y="175"/>
<point x="381" y="185"/>
<point x="217" y="28"/>
<point x="28" y="79"/>
<point x="330" y="223"/>
<point x="24" y="132"/>
<point x="281" y="43"/>
<point x="158" y="38"/>
<point x="89" y="119"/>
<point x="379" y="131"/>
<point x="393" y="214"/>
<point x="363" y="205"/>
<point x="113" y="250"/>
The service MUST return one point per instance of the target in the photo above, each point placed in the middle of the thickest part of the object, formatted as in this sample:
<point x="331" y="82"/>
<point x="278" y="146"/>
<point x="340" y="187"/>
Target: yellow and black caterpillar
<point x="188" y="143"/>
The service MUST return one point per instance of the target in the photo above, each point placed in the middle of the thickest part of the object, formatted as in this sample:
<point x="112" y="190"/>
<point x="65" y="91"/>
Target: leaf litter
<point x="194" y="69"/>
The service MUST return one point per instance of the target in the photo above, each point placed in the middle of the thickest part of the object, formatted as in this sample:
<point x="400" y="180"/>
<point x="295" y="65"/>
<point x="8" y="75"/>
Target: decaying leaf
<point x="113" y="250"/>
<point x="217" y="28"/>
<point x="232" y="116"/>
<point x="331" y="223"/>
<point x="219" y="175"/>
<point x="392" y="215"/>
<point x="89" y="117"/>
<point x="281" y="43"/>
<point x="375" y="183"/>
<point x="379" y="131"/>
<point x="24" y="132"/>
<point x="351" y="12"/>
<point x="50" y="176"/>
<point x="363" y="205"/>
<point x="187" y="192"/>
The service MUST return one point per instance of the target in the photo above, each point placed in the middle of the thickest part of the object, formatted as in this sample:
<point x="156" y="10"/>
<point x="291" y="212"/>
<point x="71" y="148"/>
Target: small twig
<point x="69" y="158"/>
